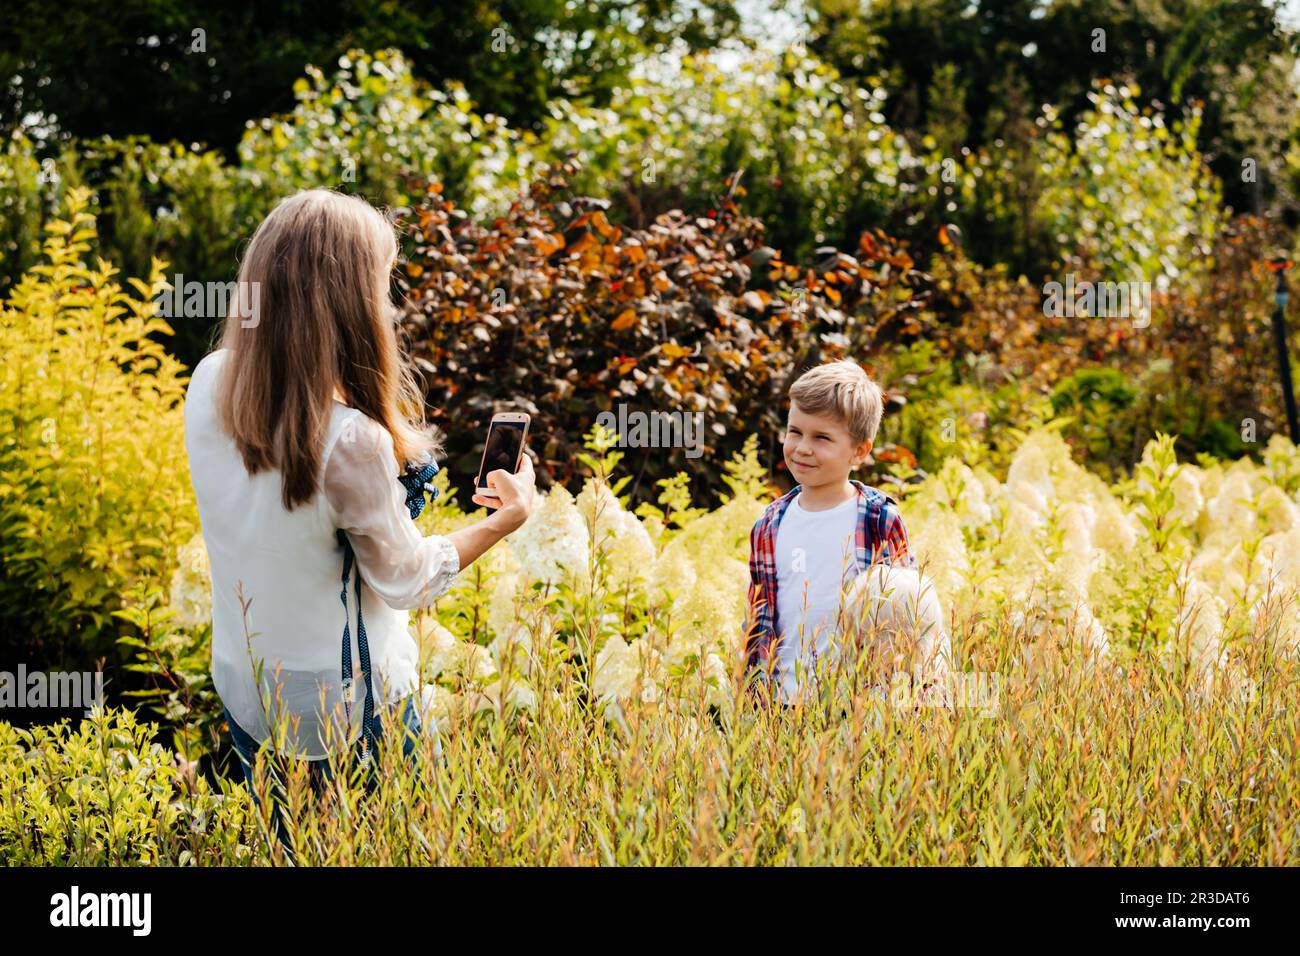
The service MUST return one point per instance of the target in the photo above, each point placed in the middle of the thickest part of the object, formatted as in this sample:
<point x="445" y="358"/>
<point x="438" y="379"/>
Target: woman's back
<point x="288" y="564"/>
<point x="290" y="480"/>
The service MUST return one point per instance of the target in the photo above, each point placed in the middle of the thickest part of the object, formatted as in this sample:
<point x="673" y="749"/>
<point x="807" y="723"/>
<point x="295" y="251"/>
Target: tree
<point x="194" y="72"/>
<point x="1230" y="55"/>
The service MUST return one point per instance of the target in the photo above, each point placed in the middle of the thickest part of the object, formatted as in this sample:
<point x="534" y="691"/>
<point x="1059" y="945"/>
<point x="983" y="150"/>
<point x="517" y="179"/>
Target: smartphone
<point x="504" y="448"/>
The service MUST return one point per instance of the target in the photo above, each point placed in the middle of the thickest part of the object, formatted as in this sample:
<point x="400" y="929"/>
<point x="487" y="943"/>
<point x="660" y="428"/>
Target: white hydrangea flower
<point x="940" y="548"/>
<point x="617" y="666"/>
<point x="1279" y="511"/>
<point x="972" y="505"/>
<point x="1031" y="466"/>
<point x="475" y="661"/>
<point x="1114" y="531"/>
<point x="1072" y="572"/>
<point x="439" y="703"/>
<point x="1030" y="496"/>
<point x="1200" y="630"/>
<point x="506" y="603"/>
<point x="1281" y="553"/>
<point x="1022" y="519"/>
<point x="1096" y="641"/>
<point x="617" y="532"/>
<point x="1211" y="480"/>
<point x="1073" y="630"/>
<point x="682" y="647"/>
<point x="1188" y="500"/>
<point x="674" y="573"/>
<point x="968" y="493"/>
<point x="516" y="641"/>
<point x="1276" y="616"/>
<point x="654" y="527"/>
<point x="1078" y="519"/>
<point x="450" y="658"/>
<point x="1220" y="565"/>
<point x="1233" y="508"/>
<point x="443" y="653"/>
<point x="716" y="605"/>
<point x="553" y="543"/>
<point x="191" y="585"/>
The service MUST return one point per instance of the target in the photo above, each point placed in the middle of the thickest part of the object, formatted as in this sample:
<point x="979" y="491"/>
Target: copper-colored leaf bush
<point x="554" y="310"/>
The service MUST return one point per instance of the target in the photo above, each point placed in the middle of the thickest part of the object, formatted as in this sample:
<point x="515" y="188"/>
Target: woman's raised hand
<point x="518" y="492"/>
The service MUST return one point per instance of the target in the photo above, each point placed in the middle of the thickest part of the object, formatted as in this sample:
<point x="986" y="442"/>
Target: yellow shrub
<point x="94" y="481"/>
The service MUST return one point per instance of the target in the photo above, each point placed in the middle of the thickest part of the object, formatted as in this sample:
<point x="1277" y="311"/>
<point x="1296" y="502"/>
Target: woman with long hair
<point x="298" y="426"/>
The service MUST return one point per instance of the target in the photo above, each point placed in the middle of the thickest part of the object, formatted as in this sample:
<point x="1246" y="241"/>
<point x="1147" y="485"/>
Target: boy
<point x="829" y="559"/>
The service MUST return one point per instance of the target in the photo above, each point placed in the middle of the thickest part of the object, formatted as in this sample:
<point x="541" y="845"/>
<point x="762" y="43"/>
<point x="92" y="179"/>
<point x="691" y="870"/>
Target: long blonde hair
<point x="323" y="321"/>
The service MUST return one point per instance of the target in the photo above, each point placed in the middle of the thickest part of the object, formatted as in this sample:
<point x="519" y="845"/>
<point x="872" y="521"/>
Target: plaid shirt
<point x="880" y="538"/>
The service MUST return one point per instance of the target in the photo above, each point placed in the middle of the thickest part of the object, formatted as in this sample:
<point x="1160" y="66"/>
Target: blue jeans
<point x="318" y="771"/>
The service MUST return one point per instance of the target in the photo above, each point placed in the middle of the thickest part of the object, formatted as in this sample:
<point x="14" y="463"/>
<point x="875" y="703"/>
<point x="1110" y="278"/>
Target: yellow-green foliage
<point x="1072" y="767"/>
<point x="20" y="205"/>
<point x="94" y="483"/>
<point x="104" y="795"/>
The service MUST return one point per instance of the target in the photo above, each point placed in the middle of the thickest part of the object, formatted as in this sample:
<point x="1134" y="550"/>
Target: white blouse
<point x="289" y="565"/>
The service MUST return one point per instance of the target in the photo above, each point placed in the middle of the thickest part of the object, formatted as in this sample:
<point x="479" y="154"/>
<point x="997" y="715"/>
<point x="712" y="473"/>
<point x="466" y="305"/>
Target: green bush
<point x="1128" y="191"/>
<point x="820" y="164"/>
<point x="940" y="407"/>
<point x="21" y="208"/>
<point x="32" y="190"/>
<point x="1097" y="400"/>
<point x="369" y="122"/>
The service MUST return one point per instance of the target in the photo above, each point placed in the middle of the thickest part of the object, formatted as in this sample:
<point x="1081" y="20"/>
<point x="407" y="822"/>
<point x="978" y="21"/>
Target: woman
<point x="298" y="425"/>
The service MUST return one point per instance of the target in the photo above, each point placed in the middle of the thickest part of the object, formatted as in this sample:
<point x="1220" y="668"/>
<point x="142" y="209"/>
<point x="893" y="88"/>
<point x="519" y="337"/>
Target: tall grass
<point x="1074" y="766"/>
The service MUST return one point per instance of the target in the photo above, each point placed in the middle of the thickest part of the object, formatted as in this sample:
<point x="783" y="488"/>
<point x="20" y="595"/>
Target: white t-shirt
<point x="814" y="560"/>
<point x="289" y="564"/>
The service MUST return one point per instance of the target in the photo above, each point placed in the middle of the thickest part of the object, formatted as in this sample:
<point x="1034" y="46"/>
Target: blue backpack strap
<point x="416" y="480"/>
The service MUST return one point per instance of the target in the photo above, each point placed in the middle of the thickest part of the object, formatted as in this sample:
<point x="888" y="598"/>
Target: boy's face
<point x="818" y="449"/>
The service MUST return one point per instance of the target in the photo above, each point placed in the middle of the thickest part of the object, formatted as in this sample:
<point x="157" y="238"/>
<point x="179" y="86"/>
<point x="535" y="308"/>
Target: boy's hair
<point x="845" y="392"/>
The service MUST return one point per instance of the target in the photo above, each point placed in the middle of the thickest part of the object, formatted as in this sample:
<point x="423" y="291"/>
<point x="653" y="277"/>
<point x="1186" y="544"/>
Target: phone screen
<point x="504" y="441"/>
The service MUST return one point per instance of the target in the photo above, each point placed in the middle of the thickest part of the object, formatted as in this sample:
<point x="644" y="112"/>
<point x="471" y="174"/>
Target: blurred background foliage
<point x="985" y="148"/>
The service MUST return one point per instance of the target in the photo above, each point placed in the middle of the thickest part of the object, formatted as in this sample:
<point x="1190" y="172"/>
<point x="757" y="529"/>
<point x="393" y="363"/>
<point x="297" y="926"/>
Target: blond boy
<point x="829" y="560"/>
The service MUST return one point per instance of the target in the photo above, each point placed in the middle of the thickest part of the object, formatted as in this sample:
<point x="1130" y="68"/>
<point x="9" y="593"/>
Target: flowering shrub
<point x="1194" y="569"/>
<point x="587" y="583"/>
<point x="1189" y="567"/>
<point x="1194" y="566"/>
<point x="21" y="208"/>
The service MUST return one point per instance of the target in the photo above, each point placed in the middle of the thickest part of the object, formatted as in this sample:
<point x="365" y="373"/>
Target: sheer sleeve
<point x="406" y="569"/>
